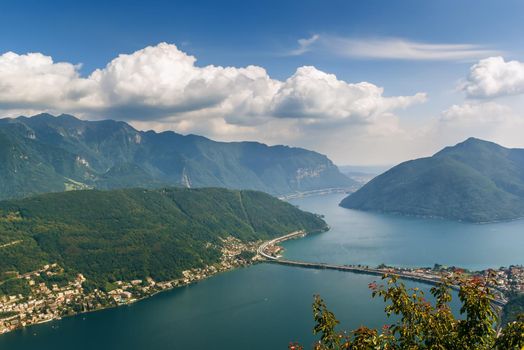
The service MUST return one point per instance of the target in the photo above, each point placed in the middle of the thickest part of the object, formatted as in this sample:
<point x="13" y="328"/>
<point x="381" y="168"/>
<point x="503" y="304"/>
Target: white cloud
<point x="486" y="120"/>
<point x="35" y="81"/>
<point x="162" y="80"/>
<point x="493" y="77"/>
<point x="161" y="87"/>
<point x="477" y="113"/>
<point x="392" y="48"/>
<point x="162" y="84"/>
<point x="317" y="96"/>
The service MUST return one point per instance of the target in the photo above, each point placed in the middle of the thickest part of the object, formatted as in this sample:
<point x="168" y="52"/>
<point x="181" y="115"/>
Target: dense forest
<point x="476" y="181"/>
<point x="136" y="233"/>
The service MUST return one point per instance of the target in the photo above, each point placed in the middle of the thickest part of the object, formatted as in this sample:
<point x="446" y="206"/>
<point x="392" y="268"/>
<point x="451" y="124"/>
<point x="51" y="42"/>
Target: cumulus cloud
<point x="163" y="88"/>
<point x="318" y="96"/>
<point x="35" y="81"/>
<point x="166" y="81"/>
<point x="163" y="83"/>
<point x="493" y="77"/>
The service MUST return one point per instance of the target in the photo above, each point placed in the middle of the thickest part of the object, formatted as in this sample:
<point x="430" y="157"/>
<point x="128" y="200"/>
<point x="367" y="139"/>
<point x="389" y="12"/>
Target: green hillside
<point x="136" y="233"/>
<point x="51" y="154"/>
<point x="476" y="181"/>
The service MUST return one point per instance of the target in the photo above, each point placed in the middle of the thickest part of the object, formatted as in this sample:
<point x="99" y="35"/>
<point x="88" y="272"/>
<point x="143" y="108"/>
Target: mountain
<point x="475" y="181"/>
<point x="136" y="233"/>
<point x="44" y="153"/>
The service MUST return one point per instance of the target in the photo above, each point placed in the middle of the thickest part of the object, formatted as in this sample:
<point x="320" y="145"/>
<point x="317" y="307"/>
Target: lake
<point x="358" y="237"/>
<point x="266" y="306"/>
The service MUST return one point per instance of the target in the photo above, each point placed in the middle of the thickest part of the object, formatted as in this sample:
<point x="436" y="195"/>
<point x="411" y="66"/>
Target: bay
<point x="358" y="237"/>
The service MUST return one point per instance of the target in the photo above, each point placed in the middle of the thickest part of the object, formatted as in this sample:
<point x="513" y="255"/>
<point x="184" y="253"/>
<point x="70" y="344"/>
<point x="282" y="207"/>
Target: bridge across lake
<point x="434" y="280"/>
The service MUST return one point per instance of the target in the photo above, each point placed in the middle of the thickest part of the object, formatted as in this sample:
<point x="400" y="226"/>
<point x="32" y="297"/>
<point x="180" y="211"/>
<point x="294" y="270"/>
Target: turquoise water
<point x="266" y="306"/>
<point x="358" y="237"/>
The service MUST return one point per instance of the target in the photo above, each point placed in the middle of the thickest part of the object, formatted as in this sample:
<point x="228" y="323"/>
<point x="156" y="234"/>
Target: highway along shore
<point x="270" y="251"/>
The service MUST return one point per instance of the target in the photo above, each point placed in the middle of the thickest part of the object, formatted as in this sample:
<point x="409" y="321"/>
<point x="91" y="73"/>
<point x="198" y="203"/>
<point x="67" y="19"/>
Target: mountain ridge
<point x="475" y="180"/>
<point x="69" y="153"/>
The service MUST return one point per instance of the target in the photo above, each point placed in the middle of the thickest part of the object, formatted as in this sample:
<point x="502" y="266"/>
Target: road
<point x="434" y="280"/>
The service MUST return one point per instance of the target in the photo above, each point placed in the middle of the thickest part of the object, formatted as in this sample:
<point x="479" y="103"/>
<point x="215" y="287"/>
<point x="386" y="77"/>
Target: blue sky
<point x="358" y="41"/>
<point x="240" y="33"/>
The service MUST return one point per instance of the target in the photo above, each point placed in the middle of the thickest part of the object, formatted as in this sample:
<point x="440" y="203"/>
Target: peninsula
<point x="80" y="251"/>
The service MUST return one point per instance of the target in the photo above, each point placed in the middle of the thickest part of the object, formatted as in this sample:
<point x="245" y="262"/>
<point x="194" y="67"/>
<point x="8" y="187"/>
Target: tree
<point x="422" y="325"/>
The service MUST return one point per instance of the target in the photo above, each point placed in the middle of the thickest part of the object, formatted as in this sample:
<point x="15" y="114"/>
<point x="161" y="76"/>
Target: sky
<point x="365" y="82"/>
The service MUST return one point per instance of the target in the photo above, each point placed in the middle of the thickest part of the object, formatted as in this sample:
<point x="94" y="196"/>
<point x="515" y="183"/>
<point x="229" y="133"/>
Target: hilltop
<point x="476" y="180"/>
<point x="45" y="153"/>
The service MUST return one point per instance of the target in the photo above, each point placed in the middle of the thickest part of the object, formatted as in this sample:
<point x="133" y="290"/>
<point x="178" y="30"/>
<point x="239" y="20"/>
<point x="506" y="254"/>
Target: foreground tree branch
<point x="423" y="325"/>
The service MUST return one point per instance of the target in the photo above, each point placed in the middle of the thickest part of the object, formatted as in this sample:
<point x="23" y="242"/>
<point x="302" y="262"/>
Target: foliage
<point x="460" y="183"/>
<point x="14" y="287"/>
<point x="51" y="154"/>
<point x="422" y="325"/>
<point x="246" y="255"/>
<point x="7" y="314"/>
<point x="135" y="233"/>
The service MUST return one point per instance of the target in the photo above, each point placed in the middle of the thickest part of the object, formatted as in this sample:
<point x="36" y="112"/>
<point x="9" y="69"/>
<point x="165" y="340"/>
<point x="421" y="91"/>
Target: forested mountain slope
<point x="476" y="181"/>
<point x="136" y="233"/>
<point x="51" y="154"/>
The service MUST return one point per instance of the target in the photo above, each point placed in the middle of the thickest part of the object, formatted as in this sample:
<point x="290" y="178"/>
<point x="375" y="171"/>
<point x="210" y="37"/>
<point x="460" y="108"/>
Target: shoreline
<point x="263" y="255"/>
<point x="433" y="217"/>
<point x="130" y="303"/>
<point x="433" y="278"/>
<point x="348" y="191"/>
<point x="256" y="260"/>
<point x="171" y="285"/>
<point x="319" y="192"/>
<point x="31" y="309"/>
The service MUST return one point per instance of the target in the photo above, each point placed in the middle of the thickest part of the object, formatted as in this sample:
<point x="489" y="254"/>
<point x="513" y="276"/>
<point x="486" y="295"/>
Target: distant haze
<point x="371" y="169"/>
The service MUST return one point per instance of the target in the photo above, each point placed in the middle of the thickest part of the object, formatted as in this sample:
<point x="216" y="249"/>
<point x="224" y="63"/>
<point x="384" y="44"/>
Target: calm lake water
<point x="266" y="306"/>
<point x="358" y="237"/>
